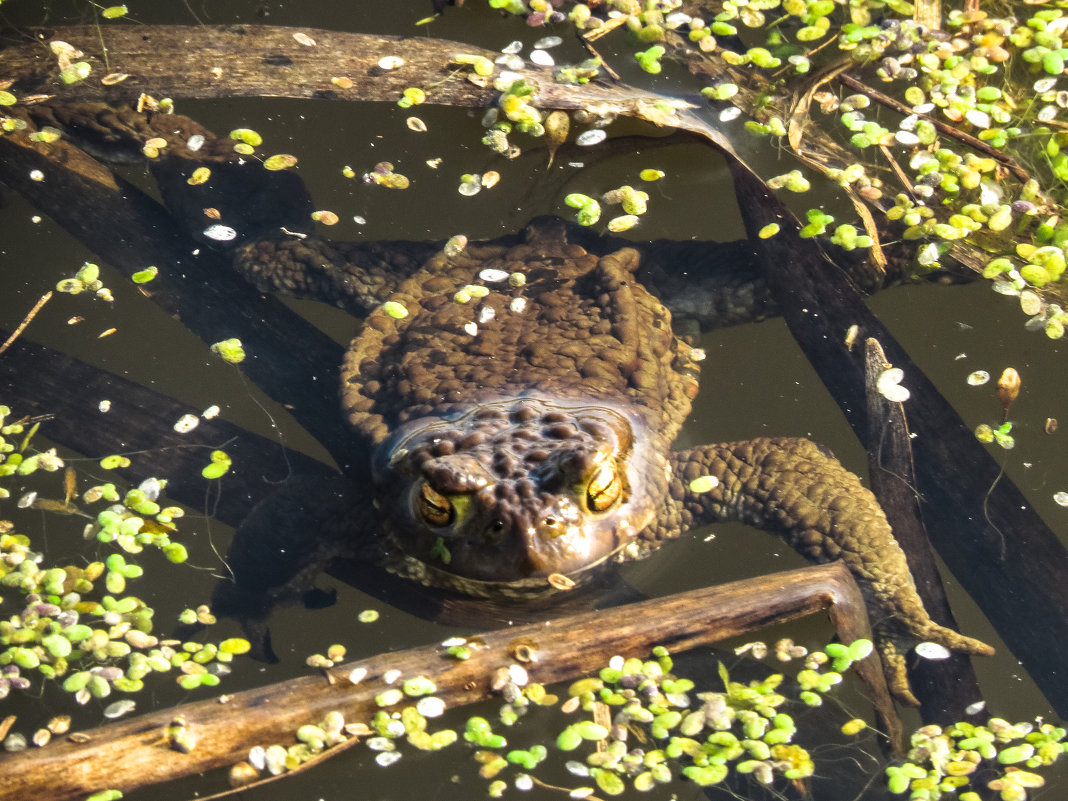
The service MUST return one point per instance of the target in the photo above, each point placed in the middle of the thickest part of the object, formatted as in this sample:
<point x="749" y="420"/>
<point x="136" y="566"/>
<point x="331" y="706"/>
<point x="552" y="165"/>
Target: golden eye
<point x="435" y="508"/>
<point x="604" y="488"/>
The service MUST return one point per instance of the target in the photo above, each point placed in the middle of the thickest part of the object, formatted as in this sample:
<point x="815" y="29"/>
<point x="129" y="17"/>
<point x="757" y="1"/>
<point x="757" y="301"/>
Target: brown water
<point x="756" y="382"/>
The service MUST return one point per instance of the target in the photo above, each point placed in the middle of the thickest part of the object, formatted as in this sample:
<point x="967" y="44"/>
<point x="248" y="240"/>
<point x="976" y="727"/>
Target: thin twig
<point x="1018" y="172"/>
<point x="593" y="34"/>
<point x="22" y="326"/>
<point x="586" y="43"/>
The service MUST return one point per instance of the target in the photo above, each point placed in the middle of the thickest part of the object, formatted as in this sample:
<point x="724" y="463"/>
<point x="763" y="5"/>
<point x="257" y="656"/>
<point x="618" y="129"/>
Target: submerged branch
<point x="956" y="477"/>
<point x="947" y="687"/>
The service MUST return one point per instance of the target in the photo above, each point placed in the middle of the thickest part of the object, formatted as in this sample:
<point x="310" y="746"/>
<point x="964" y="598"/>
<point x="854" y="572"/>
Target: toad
<point x="519" y="404"/>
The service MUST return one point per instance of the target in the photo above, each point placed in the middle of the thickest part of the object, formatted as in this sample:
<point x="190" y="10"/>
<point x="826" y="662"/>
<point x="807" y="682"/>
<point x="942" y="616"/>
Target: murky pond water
<point x="755" y="382"/>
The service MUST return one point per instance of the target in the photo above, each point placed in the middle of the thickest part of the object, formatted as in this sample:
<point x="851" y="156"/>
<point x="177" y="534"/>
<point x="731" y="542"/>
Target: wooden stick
<point x="136" y="753"/>
<point x="47" y="296"/>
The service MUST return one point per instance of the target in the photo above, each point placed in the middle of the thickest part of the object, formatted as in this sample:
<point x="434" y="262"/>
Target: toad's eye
<point x="435" y="508"/>
<point x="604" y="488"/>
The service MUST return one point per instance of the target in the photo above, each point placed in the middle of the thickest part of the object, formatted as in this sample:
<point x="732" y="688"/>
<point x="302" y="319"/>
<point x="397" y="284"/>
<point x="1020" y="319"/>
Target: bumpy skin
<point x="522" y="430"/>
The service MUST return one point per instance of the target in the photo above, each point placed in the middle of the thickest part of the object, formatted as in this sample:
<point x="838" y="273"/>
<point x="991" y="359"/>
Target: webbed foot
<point x="793" y="488"/>
<point x="893" y="641"/>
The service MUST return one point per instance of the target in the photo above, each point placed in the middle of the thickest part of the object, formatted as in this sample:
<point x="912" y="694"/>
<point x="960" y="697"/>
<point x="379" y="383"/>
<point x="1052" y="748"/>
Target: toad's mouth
<point x="521" y="589"/>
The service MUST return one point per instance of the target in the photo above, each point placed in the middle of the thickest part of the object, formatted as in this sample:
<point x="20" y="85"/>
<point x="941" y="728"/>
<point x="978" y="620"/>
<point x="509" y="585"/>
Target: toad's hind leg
<point x="281" y="547"/>
<point x="793" y="488"/>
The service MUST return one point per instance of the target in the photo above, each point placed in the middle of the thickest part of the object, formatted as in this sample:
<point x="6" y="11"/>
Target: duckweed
<point x="230" y="350"/>
<point x="280" y="161"/>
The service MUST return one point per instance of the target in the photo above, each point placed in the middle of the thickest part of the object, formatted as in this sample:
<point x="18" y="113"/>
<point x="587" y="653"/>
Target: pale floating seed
<point x="470" y="185"/>
<point x="416" y="124"/>
<point x="492" y="276"/>
<point x="304" y="39"/>
<point x="730" y="113"/>
<point x="513" y="48"/>
<point x="275" y="760"/>
<point x="1030" y="302"/>
<point x="1060" y="498"/>
<point x="541" y="58"/>
<point x="220" y="233"/>
<point x="390" y="62"/>
<point x="430" y="707"/>
<point x="471" y="329"/>
<point x="455" y="246"/>
<point x="889" y="385"/>
<point x="978" y="378"/>
<point x="41" y="737"/>
<point x="391" y="676"/>
<point x="186" y="423"/>
<point x="242" y="773"/>
<point x="906" y="138"/>
<point x="195" y="142"/>
<point x="387" y="758"/>
<point x="523" y="782"/>
<point x="975" y="709"/>
<point x="592" y="137"/>
<point x="120" y="708"/>
<point x="518" y="674"/>
<point x="60" y="724"/>
<point x="357" y="675"/>
<point x="104" y="406"/>
<point x="623" y="223"/>
<point x="518" y="305"/>
<point x="932" y="650"/>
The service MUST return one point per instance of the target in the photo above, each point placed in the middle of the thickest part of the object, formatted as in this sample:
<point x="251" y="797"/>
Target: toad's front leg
<point x="793" y="488"/>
